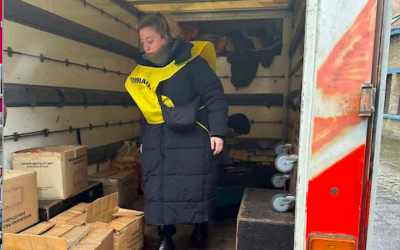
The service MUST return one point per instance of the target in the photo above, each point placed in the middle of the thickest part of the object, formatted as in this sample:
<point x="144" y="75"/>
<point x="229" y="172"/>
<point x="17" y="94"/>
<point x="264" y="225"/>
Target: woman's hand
<point x="217" y="145"/>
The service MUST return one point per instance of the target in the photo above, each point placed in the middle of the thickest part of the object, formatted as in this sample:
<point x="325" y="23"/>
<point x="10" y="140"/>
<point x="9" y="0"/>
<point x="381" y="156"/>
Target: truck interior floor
<point x="222" y="231"/>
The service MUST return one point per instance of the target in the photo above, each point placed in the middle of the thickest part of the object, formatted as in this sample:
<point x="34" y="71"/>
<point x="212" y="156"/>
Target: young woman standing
<point x="173" y="82"/>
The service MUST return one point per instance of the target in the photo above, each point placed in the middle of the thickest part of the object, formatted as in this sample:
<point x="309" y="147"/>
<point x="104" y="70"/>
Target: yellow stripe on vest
<point x="143" y="82"/>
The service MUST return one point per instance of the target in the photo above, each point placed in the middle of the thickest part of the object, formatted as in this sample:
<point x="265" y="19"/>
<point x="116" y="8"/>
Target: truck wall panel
<point x="258" y="113"/>
<point x="26" y="70"/>
<point x="74" y="10"/>
<point x="29" y="40"/>
<point x="277" y="68"/>
<point x="23" y="120"/>
<point x="115" y="10"/>
<point x="258" y="86"/>
<point x="270" y="131"/>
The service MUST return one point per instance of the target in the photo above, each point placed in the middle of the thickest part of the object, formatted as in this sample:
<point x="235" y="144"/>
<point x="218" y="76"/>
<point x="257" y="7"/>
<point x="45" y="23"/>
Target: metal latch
<point x="367" y="101"/>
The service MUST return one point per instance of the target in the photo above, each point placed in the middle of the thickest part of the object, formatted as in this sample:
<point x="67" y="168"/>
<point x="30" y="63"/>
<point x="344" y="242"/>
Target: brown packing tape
<point x="33" y="242"/>
<point x="39" y="228"/>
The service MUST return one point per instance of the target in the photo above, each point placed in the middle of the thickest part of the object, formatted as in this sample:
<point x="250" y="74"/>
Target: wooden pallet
<point x="259" y="226"/>
<point x="50" y="208"/>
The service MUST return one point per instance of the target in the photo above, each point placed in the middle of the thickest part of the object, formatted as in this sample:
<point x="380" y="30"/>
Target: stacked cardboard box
<point x="125" y="182"/>
<point x="128" y="225"/>
<point x="48" y="235"/>
<point x="85" y="227"/>
<point x="61" y="170"/>
<point x="20" y="207"/>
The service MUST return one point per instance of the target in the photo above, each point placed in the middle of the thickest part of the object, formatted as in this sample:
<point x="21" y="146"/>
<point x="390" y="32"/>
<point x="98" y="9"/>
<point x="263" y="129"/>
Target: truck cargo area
<point x="66" y="87"/>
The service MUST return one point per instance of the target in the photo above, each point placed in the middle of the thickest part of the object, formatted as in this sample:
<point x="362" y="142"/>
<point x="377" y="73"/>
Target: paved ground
<point x="387" y="214"/>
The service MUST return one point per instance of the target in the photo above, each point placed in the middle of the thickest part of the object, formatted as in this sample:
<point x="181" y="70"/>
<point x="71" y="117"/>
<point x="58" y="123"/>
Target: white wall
<point x="30" y="71"/>
<point x="74" y="10"/>
<point x="267" y="81"/>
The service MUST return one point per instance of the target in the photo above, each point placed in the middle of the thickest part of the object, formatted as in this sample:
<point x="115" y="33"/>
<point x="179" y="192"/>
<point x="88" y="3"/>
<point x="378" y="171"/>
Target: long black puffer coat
<point x="178" y="167"/>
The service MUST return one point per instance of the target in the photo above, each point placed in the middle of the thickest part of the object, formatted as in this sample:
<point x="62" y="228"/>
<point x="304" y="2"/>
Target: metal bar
<point x="296" y="68"/>
<point x="47" y="132"/>
<point x="368" y="166"/>
<point x="133" y="2"/>
<point x="277" y="76"/>
<point x="66" y="61"/>
<point x="128" y="7"/>
<point x="23" y="95"/>
<point x="146" y="2"/>
<point x="216" y="13"/>
<point x="287" y="87"/>
<point x="298" y="35"/>
<point x="268" y="100"/>
<point x="102" y="12"/>
<point x="266" y="122"/>
<point x="378" y="117"/>
<point x="32" y="16"/>
<point x="105" y="152"/>
<point x="230" y="15"/>
<point x="306" y="122"/>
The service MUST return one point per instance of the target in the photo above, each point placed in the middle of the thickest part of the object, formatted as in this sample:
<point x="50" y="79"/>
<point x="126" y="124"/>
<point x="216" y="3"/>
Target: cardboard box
<point x="125" y="182"/>
<point x="75" y="215"/>
<point x="48" y="235"/>
<point x="20" y="207"/>
<point x="61" y="170"/>
<point x="50" y="208"/>
<point x="128" y="225"/>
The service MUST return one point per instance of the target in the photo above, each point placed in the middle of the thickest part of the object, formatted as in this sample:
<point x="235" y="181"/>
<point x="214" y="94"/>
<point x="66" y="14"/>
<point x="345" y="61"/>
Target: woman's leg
<point x="200" y="233"/>
<point x="166" y="233"/>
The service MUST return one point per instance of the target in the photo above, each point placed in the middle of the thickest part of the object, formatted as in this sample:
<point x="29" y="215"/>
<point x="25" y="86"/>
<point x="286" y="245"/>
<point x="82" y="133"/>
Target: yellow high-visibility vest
<point x="142" y="83"/>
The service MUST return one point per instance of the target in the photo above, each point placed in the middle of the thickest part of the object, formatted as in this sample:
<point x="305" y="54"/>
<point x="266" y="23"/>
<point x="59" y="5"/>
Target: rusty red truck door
<point x="344" y="50"/>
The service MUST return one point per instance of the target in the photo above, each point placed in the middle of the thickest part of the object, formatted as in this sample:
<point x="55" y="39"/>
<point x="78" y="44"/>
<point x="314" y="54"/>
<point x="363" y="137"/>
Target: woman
<point x="178" y="166"/>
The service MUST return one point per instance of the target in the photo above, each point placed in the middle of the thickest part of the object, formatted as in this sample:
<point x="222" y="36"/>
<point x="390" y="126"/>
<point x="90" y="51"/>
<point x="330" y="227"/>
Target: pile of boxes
<point x="99" y="225"/>
<point x="58" y="173"/>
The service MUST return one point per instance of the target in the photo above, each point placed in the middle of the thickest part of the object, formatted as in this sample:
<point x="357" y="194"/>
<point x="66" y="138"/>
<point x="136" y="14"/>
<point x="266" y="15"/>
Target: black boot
<point x="165" y="233"/>
<point x="199" y="235"/>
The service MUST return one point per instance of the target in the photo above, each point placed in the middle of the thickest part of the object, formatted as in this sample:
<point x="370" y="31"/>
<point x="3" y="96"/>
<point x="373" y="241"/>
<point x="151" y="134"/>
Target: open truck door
<point x="345" y="54"/>
<point x="71" y="58"/>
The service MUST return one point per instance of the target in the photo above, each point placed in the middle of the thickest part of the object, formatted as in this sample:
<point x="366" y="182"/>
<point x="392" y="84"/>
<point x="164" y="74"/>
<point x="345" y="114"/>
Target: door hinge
<point x="367" y="100"/>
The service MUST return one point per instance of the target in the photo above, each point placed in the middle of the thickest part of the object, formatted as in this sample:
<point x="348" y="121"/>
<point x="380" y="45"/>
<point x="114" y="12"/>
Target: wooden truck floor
<point x="222" y="234"/>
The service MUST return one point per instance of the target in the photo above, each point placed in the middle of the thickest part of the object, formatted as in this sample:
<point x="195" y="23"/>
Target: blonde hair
<point x="163" y="24"/>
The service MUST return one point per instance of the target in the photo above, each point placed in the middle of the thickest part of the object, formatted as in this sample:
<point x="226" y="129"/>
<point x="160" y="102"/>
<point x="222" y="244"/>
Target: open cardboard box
<point x="127" y="226"/>
<point x="51" y="236"/>
<point x="125" y="182"/>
